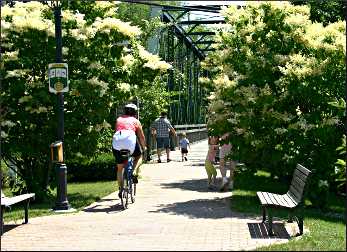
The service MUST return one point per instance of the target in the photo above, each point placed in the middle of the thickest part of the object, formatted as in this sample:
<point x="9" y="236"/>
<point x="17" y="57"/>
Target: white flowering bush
<point x="275" y="77"/>
<point x="103" y="74"/>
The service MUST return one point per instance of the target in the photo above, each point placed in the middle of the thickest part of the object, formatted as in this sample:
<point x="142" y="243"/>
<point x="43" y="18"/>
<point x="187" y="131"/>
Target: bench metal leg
<point x="2" y="219"/>
<point x="264" y="214"/>
<point x="301" y="225"/>
<point x="290" y="217"/>
<point x="26" y="206"/>
<point x="270" y="223"/>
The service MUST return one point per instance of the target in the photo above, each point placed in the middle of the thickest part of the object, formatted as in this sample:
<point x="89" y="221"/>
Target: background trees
<point x="276" y="78"/>
<point x="324" y="11"/>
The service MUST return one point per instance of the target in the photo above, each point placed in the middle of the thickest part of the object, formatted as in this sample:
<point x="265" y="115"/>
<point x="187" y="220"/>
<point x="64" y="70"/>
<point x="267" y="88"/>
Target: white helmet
<point x="132" y="106"/>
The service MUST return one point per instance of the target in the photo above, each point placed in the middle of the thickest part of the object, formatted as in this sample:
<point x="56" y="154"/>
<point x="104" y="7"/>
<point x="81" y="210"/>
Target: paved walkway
<point x="174" y="210"/>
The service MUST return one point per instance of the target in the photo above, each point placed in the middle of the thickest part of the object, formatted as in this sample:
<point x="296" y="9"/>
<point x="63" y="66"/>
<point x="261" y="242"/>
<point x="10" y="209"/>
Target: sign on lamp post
<point x="58" y="77"/>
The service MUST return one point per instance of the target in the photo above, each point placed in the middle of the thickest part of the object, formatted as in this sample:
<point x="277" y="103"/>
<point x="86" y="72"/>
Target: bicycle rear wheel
<point x="132" y="192"/>
<point x="125" y="193"/>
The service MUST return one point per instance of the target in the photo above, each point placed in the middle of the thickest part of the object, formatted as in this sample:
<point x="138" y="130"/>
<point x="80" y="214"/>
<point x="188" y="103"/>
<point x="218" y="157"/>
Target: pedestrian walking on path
<point x="224" y="160"/>
<point x="184" y="144"/>
<point x="210" y="158"/>
<point x="160" y="131"/>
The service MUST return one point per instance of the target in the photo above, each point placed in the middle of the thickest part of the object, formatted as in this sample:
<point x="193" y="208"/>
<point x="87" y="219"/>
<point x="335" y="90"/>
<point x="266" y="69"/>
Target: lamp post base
<point x="61" y="206"/>
<point x="61" y="202"/>
<point x="70" y="210"/>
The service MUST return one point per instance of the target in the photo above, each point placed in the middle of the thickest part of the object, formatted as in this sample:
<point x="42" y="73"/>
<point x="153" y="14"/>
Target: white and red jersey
<point x="125" y="136"/>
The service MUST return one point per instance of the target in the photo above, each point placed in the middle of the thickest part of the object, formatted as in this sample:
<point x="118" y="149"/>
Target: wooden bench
<point x="293" y="200"/>
<point x="9" y="201"/>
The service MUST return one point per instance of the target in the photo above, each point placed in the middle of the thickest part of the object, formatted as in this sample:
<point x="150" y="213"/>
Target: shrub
<point x="101" y="168"/>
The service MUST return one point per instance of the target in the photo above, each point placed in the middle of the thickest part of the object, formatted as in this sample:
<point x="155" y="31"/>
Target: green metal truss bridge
<point x="185" y="42"/>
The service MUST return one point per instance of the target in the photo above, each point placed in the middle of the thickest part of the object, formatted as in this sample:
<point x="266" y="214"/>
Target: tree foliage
<point x="324" y="11"/>
<point x="275" y="79"/>
<point x="103" y="73"/>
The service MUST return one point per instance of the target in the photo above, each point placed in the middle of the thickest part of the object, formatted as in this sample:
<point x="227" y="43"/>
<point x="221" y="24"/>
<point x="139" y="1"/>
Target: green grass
<point x="79" y="196"/>
<point x="327" y="229"/>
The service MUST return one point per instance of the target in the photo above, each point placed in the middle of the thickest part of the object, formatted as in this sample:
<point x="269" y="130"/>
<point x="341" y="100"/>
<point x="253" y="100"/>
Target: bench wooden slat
<point x="264" y="198"/>
<point x="297" y="185"/>
<point x="301" y="173"/>
<point x="268" y="199"/>
<point x="304" y="170"/>
<point x="295" y="193"/>
<point x="261" y="198"/>
<point x="290" y="200"/>
<point x="288" y="203"/>
<point x="293" y="196"/>
<point x="282" y="202"/>
<point x="8" y="201"/>
<point x="299" y="176"/>
<point x="298" y="182"/>
<point x="274" y="199"/>
<point x="297" y="189"/>
<point x="277" y="200"/>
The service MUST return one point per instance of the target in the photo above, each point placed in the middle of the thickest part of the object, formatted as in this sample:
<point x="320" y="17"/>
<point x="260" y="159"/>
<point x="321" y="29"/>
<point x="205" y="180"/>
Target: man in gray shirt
<point x="160" y="130"/>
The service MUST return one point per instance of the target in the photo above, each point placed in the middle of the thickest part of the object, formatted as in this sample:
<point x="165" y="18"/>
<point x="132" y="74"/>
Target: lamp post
<point x="61" y="203"/>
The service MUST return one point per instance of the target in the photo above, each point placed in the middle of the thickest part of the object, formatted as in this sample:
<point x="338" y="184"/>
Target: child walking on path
<point x="184" y="144"/>
<point x="210" y="158"/>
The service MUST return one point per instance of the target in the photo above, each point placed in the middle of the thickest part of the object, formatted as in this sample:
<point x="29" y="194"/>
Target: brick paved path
<point x="173" y="211"/>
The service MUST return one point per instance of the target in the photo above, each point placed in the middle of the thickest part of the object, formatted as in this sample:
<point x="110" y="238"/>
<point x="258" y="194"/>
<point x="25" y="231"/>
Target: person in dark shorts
<point x="184" y="144"/>
<point x="160" y="130"/>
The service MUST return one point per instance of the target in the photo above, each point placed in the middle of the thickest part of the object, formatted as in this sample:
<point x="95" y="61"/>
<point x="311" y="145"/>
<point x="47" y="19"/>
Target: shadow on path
<point x="197" y="164"/>
<point x="9" y="227"/>
<point x="258" y="230"/>
<point x="99" y="208"/>
<point x="198" y="185"/>
<point x="200" y="208"/>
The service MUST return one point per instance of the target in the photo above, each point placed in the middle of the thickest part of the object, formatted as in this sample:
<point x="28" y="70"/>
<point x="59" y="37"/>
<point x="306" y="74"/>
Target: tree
<point x="324" y="11"/>
<point x="277" y="74"/>
<point x="103" y="74"/>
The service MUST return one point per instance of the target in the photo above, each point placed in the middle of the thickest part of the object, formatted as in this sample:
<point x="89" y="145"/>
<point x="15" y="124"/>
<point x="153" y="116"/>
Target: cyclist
<point x="128" y="135"/>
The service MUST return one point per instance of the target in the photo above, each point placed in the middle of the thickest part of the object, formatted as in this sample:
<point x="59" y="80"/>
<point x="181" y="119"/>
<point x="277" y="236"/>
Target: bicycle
<point x="129" y="187"/>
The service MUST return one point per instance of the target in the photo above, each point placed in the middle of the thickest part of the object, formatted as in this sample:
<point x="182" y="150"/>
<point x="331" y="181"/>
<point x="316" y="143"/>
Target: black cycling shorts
<point x="118" y="157"/>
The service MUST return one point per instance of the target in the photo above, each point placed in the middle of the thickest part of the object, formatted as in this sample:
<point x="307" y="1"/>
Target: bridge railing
<point x="194" y="132"/>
